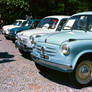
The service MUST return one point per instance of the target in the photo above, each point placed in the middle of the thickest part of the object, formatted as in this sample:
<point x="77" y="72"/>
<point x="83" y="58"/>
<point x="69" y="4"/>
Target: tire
<point x="82" y="75"/>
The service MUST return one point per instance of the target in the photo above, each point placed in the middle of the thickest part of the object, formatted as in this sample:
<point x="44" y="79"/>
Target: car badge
<point x="42" y="50"/>
<point x="45" y="40"/>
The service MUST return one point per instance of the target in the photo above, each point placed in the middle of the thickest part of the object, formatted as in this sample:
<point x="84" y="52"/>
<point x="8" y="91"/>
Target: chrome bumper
<point x="58" y="67"/>
<point x="23" y="47"/>
<point x="10" y="36"/>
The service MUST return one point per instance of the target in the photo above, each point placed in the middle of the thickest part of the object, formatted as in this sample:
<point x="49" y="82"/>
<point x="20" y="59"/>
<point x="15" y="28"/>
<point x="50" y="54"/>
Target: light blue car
<point x="69" y="50"/>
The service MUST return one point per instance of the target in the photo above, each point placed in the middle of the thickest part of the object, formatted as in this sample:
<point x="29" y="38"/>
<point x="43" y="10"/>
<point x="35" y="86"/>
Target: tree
<point x="15" y="9"/>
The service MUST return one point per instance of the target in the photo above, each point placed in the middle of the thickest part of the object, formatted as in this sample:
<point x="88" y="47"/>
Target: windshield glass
<point x="26" y="23"/>
<point x="50" y="21"/>
<point x="17" y="23"/>
<point x="83" y="22"/>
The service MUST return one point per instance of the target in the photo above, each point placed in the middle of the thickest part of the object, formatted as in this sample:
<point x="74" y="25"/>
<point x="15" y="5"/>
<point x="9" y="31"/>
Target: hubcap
<point x="84" y="73"/>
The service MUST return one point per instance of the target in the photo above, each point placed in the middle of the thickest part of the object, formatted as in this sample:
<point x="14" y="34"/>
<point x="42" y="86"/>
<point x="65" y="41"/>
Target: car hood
<point x="16" y="29"/>
<point x="59" y="37"/>
<point x="22" y="28"/>
<point x="35" y="31"/>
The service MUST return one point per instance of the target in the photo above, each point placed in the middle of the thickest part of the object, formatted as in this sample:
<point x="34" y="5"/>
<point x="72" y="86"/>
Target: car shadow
<point x="27" y="56"/>
<point x="6" y="57"/>
<point x="59" y="77"/>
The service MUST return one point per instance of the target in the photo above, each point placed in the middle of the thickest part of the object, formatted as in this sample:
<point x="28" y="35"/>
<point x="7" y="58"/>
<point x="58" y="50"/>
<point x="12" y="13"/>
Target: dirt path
<point x="18" y="74"/>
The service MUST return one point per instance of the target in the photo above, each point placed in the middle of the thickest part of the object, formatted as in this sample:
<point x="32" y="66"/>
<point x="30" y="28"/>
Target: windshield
<point x="17" y="23"/>
<point x="50" y="21"/>
<point x="83" y="22"/>
<point x="26" y="23"/>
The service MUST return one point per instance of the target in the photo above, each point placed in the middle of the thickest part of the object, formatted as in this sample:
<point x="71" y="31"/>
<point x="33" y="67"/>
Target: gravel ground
<point x="19" y="74"/>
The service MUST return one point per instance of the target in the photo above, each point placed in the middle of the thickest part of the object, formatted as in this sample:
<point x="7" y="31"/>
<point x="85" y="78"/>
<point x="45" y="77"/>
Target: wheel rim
<point x="84" y="72"/>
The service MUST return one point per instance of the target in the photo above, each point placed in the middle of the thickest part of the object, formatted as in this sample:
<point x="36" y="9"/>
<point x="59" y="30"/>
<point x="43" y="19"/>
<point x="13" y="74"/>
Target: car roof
<point x="83" y="13"/>
<point x="35" y="19"/>
<point x="20" y="20"/>
<point x="58" y="16"/>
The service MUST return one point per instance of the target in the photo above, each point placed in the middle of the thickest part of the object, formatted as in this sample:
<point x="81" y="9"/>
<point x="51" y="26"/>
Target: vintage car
<point x="48" y="24"/>
<point x="69" y="50"/>
<point x="28" y="24"/>
<point x="16" y="24"/>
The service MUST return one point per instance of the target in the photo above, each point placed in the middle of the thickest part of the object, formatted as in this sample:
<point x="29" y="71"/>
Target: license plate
<point x="44" y="56"/>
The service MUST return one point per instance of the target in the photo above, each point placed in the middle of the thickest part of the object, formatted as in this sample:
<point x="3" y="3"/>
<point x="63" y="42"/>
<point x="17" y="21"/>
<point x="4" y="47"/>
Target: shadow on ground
<point x="27" y="56"/>
<point x="59" y="77"/>
<point x="6" y="57"/>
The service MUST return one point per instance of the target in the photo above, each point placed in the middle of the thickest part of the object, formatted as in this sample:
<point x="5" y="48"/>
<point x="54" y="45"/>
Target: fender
<point x="78" y="56"/>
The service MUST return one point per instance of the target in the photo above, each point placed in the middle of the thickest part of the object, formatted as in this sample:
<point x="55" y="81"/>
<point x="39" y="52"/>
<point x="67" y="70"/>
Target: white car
<point x="17" y="23"/>
<point x="48" y="24"/>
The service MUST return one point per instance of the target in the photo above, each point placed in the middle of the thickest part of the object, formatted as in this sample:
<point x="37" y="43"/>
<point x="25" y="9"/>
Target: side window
<point x="83" y="21"/>
<point x="89" y="23"/>
<point x="61" y="24"/>
<point x="34" y="25"/>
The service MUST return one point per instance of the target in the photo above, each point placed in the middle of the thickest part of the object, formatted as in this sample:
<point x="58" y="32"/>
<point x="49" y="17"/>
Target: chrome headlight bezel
<point x="65" y="49"/>
<point x="8" y="29"/>
<point x="32" y="37"/>
<point x="33" y="42"/>
<point x="15" y="32"/>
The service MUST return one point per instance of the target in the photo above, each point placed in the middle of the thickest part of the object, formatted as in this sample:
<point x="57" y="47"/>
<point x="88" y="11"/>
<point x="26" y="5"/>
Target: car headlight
<point x="8" y="29"/>
<point x="33" y="42"/>
<point x="65" y="49"/>
<point x="15" y="32"/>
<point x="32" y="39"/>
<point x="16" y="36"/>
<point x="33" y="45"/>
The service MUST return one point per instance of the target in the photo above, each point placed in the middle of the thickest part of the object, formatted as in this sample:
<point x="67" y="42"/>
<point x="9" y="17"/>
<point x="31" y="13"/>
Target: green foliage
<point x="15" y="9"/>
<point x="10" y="10"/>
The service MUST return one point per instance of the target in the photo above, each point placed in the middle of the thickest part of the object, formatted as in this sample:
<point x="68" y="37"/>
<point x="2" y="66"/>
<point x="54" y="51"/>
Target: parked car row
<point x="62" y="43"/>
<point x="16" y="24"/>
<point x="10" y="32"/>
<point x="48" y="24"/>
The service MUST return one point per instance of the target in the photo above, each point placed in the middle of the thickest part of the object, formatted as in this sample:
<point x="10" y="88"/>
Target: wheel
<point x="82" y="75"/>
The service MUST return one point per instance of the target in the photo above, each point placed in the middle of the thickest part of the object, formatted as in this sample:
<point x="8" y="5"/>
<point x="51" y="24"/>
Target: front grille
<point x="22" y="40"/>
<point x="49" y="50"/>
<point x="19" y="40"/>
